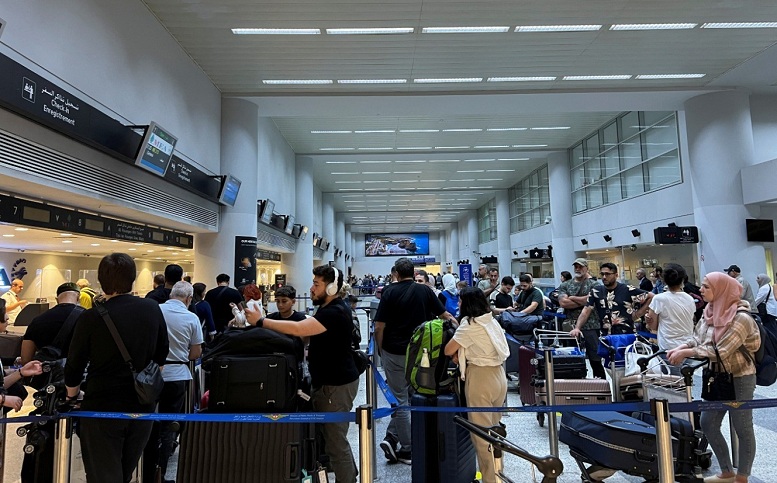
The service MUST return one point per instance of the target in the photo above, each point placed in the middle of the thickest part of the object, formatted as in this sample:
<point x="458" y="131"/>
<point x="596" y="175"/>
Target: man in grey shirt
<point x="747" y="291"/>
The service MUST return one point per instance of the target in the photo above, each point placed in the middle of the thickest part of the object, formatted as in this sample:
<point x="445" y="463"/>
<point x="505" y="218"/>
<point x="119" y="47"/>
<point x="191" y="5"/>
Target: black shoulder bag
<point x="148" y="382"/>
<point x="717" y="386"/>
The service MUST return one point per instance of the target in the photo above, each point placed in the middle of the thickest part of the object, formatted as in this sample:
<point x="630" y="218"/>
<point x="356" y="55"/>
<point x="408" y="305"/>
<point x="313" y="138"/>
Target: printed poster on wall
<point x="245" y="261"/>
<point x="465" y="273"/>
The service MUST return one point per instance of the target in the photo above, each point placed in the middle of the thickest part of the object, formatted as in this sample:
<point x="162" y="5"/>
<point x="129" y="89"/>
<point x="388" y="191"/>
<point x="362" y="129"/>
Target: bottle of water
<point x="425" y="358"/>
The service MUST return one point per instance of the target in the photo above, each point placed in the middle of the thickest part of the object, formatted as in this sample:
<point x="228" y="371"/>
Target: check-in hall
<point x="261" y="140"/>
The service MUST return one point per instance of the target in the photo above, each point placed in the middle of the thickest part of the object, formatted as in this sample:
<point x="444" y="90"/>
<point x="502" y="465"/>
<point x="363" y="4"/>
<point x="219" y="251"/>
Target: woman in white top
<point x="766" y="294"/>
<point x="480" y="347"/>
<point x="671" y="312"/>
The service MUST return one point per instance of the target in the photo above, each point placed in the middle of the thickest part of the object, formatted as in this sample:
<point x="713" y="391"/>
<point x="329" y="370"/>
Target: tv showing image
<point x="396" y="244"/>
<point x="156" y="149"/>
<point x="267" y="208"/>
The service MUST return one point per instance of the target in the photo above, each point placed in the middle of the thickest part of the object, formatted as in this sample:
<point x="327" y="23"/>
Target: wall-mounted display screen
<point x="396" y="244"/>
<point x="303" y="232"/>
<point x="289" y="224"/>
<point x="267" y="208"/>
<point x="760" y="230"/>
<point x="156" y="149"/>
<point x="229" y="189"/>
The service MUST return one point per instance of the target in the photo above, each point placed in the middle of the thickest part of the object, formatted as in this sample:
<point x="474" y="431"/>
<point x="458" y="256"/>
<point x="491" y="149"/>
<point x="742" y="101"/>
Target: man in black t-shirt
<point x="332" y="369"/>
<point x="504" y="297"/>
<point x="44" y="328"/>
<point x="173" y="275"/>
<point x="403" y="306"/>
<point x="219" y="299"/>
<point x="284" y="299"/>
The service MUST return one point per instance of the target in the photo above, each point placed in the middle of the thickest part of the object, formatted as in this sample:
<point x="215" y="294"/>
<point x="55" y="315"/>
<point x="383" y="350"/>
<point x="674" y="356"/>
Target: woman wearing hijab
<point x="728" y="325"/>
<point x="766" y="295"/>
<point x="480" y="347"/>
<point x="449" y="295"/>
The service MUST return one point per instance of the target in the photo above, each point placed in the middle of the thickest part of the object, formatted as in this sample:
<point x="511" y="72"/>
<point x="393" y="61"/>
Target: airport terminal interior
<point x="264" y="138"/>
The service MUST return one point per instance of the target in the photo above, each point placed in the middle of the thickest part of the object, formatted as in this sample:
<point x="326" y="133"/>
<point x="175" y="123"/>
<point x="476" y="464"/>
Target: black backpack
<point x="765" y="358"/>
<point x="52" y="355"/>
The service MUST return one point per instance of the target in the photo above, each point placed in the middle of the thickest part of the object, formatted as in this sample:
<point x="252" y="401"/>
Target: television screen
<point x="296" y="231"/>
<point x="303" y="232"/>
<point x="760" y="230"/>
<point x="289" y="228"/>
<point x="396" y="244"/>
<point x="267" y="208"/>
<point x="229" y="189"/>
<point x="317" y="241"/>
<point x="156" y="149"/>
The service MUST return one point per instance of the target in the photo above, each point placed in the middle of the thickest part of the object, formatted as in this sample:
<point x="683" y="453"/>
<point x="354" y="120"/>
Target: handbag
<point x="148" y="382"/>
<point x="762" y="306"/>
<point x="360" y="359"/>
<point x="717" y="386"/>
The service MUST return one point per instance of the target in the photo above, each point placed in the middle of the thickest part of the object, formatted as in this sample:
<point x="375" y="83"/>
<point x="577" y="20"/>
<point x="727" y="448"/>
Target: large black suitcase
<point x="612" y="440"/>
<point x="692" y="451"/>
<point x="245" y="452"/>
<point x="442" y="450"/>
<point x="566" y="364"/>
<point x="260" y="383"/>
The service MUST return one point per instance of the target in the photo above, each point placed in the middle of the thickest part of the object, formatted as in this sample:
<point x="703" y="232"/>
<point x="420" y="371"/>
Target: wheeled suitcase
<point x="442" y="451"/>
<point x="692" y="448"/>
<point x="527" y="374"/>
<point x="512" y="364"/>
<point x="245" y="452"/>
<point x="612" y="440"/>
<point x="254" y="384"/>
<point x="568" y="363"/>
<point x="575" y="391"/>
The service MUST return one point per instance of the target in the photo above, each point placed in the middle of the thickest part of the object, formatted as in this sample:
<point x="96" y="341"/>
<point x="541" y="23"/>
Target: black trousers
<point x="161" y="443"/>
<point x="111" y="448"/>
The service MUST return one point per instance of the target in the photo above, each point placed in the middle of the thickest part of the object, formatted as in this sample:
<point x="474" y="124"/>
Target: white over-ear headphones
<point x="331" y="288"/>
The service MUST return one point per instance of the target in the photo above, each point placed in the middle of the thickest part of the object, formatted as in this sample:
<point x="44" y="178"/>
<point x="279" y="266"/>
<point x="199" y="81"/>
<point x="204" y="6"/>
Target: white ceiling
<point x="239" y="65"/>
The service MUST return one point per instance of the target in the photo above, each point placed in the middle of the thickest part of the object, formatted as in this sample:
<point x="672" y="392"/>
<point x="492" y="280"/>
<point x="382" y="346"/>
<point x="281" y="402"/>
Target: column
<point x="301" y="261"/>
<point x="340" y="242"/>
<point x="348" y="247"/>
<point x="215" y="252"/>
<point x="442" y="258"/>
<point x="328" y="225"/>
<point x="720" y="144"/>
<point x="503" y="232"/>
<point x="453" y="248"/>
<point x="473" y="245"/>
<point x="561" y="212"/>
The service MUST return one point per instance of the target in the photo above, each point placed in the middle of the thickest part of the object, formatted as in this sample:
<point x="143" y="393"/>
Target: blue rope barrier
<point x="384" y="388"/>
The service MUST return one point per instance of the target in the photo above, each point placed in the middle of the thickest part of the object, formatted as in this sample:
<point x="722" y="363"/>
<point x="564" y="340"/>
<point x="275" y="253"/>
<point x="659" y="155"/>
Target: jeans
<point x="337" y="399"/>
<point x="591" y="344"/>
<point x="399" y="426"/>
<point x="161" y="443"/>
<point x="744" y="387"/>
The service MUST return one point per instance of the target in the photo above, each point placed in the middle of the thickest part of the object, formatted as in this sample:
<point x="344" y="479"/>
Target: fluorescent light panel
<point x="491" y="147"/>
<point x="465" y="30"/>
<point x="336" y="149"/>
<point x="557" y="28"/>
<point x="376" y="131"/>
<point x="331" y="132"/>
<point x="530" y="145"/>
<point x="463" y="130"/>
<point x="296" y="81"/>
<point x="260" y="31"/>
<point x="522" y="79"/>
<point x="653" y="26"/>
<point x="418" y="130"/>
<point x="371" y="31"/>
<point x="448" y="80"/>
<point x="372" y="81"/>
<point x="739" y="25"/>
<point x="669" y="76"/>
<point x="596" y="77"/>
<point x="500" y="129"/>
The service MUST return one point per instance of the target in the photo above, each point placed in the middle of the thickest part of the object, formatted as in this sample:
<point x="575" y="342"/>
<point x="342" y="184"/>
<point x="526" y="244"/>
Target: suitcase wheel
<point x="705" y="461"/>
<point x="541" y="419"/>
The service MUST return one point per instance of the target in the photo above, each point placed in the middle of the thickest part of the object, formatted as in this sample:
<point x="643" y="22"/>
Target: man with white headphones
<point x="333" y="373"/>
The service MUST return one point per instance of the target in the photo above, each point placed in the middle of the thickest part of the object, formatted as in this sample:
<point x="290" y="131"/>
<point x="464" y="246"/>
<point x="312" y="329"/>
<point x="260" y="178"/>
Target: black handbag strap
<point x="67" y="327"/>
<point x="717" y="354"/>
<point x="116" y="337"/>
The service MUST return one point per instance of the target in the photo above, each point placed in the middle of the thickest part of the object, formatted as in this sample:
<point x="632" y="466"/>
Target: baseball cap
<point x="734" y="268"/>
<point x="67" y="287"/>
<point x="580" y="261"/>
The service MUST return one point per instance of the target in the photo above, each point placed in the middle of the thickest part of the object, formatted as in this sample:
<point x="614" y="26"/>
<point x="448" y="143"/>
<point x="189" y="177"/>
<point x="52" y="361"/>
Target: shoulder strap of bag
<point x="116" y="337"/>
<point x="717" y="354"/>
<point x="67" y="327"/>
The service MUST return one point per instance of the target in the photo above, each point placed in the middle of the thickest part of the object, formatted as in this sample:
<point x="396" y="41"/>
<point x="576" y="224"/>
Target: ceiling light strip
<point x="739" y="25"/>
<point x="296" y="81"/>
<point x="465" y="30"/>
<point x="263" y="31"/>
<point x="522" y="79"/>
<point x="447" y="80"/>
<point x="372" y="81"/>
<point x="669" y="76"/>
<point x="557" y="28"/>
<point x="596" y="77"/>
<point x="653" y="26"/>
<point x="371" y="31"/>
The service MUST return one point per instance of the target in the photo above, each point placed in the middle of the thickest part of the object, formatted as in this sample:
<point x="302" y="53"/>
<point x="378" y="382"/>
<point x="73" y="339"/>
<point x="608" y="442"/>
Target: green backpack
<point x="437" y="378"/>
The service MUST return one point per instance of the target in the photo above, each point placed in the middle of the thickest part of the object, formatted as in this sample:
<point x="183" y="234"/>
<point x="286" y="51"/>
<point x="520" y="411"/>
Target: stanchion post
<point x="189" y="406"/>
<point x="372" y="401"/>
<point x="734" y="443"/>
<point x="660" y="410"/>
<point x="551" y="395"/>
<point x="63" y="446"/>
<point x="2" y="446"/>
<point x="364" y="418"/>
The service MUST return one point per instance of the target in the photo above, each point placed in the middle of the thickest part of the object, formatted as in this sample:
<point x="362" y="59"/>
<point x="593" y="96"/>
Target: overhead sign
<point x="676" y="235"/>
<point x="540" y="253"/>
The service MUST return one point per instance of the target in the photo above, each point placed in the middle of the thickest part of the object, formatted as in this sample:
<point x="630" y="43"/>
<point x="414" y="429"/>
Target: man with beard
<point x="573" y="296"/>
<point x="615" y="303"/>
<point x="333" y="373"/>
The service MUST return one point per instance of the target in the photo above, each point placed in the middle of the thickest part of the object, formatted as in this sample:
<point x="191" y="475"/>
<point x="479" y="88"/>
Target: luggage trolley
<point x="612" y="349"/>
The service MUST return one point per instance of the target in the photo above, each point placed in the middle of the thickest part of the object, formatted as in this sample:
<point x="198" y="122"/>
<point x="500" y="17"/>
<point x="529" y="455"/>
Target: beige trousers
<point x="485" y="386"/>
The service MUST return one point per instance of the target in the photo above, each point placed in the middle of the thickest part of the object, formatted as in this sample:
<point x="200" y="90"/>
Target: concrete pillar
<point x="301" y="261"/>
<point x="561" y="212"/>
<point x="503" y="232"/>
<point x="340" y="242"/>
<point x="442" y="257"/>
<point x="214" y="253"/>
<point x="328" y="225"/>
<point x="453" y="246"/>
<point x="473" y="246"/>
<point x="720" y="144"/>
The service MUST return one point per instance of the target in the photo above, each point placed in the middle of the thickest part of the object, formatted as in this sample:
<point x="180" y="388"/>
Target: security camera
<point x="633" y="248"/>
<point x="548" y="219"/>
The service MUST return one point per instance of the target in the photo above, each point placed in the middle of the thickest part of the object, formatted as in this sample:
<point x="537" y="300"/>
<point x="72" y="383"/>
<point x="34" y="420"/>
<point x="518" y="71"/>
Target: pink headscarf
<point x="720" y="312"/>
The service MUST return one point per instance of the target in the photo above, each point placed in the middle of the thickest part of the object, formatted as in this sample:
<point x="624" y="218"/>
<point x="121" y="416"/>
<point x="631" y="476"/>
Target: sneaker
<point x="404" y="456"/>
<point x="600" y="473"/>
<point x="389" y="445"/>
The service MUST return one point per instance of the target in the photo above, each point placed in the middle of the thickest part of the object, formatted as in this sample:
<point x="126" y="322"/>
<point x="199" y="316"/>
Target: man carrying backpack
<point x="403" y="306"/>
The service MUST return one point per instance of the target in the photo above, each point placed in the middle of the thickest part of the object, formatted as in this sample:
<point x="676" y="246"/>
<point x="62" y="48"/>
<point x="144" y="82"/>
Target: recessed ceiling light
<point x="530" y="145"/>
<point x="407" y="172"/>
<point x="150" y="251"/>
<point x="444" y="160"/>
<point x="347" y="182"/>
<point x="21" y="229"/>
<point x="114" y="241"/>
<point x="374" y="181"/>
<point x="466" y="129"/>
<point x="490" y="179"/>
<point x="670" y="76"/>
<point x="522" y="79"/>
<point x="342" y="172"/>
<point x="65" y="234"/>
<point x="596" y="77"/>
<point x="376" y="131"/>
<point x="95" y="244"/>
<point x="513" y="159"/>
<point x="447" y="80"/>
<point x="349" y="189"/>
<point x="471" y="171"/>
<point x="550" y="128"/>
<point x="499" y="129"/>
<point x="331" y="132"/>
<point x="376" y="172"/>
<point x="464" y="30"/>
<point x="557" y="28"/>
<point x="419" y="130"/>
<point x="492" y="147"/>
<point x="376" y="161"/>
<point x="68" y="251"/>
<point x="67" y="241"/>
<point x="298" y="82"/>
<point x="739" y="25"/>
<point x="500" y="170"/>
<point x="252" y="31"/>
<point x="9" y="235"/>
<point x="336" y="149"/>
<point x="479" y="160"/>
<point x="410" y="161"/>
<point x="341" y="162"/>
<point x="139" y="243"/>
<point x="376" y="149"/>
<point x="652" y="26"/>
<point x="371" y="31"/>
<point x="372" y="81"/>
<point x="451" y="147"/>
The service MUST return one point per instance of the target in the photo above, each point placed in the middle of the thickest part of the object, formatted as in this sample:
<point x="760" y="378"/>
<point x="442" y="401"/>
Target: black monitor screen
<point x="229" y="189"/>
<point x="267" y="208"/>
<point x="156" y="149"/>
<point x="296" y="230"/>
<point x="289" y="228"/>
<point x="760" y="230"/>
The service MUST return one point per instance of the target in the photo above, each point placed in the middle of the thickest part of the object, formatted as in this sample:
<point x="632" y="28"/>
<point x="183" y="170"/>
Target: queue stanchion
<point x="372" y="401"/>
<point x="660" y="410"/>
<point x="551" y="395"/>
<point x="63" y="447"/>
<point x="189" y="406"/>
<point x="2" y="446"/>
<point x="364" y="419"/>
<point x="734" y="443"/>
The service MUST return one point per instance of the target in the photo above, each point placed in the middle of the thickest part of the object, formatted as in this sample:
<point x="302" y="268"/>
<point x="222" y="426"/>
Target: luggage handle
<point x="292" y="461"/>
<point x="644" y="457"/>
